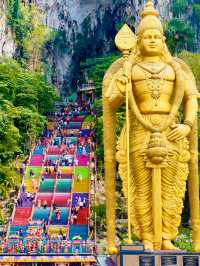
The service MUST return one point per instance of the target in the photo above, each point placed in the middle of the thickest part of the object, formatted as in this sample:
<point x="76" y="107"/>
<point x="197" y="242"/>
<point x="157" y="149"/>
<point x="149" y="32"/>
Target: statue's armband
<point x="190" y="90"/>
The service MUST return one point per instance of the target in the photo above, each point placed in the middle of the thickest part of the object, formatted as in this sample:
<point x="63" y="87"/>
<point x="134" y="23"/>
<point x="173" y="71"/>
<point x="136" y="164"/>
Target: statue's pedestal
<point x="134" y="255"/>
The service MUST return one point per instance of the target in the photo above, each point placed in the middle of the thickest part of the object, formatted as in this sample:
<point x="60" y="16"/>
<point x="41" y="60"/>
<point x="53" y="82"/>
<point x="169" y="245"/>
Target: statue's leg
<point x="173" y="190"/>
<point x="143" y="198"/>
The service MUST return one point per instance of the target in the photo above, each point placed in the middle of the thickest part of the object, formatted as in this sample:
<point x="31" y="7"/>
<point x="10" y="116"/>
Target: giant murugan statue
<point x="157" y="148"/>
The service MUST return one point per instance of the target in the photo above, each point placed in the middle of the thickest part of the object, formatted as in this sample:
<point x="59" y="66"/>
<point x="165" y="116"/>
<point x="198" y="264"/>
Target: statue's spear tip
<point x="150" y="3"/>
<point x="149" y="9"/>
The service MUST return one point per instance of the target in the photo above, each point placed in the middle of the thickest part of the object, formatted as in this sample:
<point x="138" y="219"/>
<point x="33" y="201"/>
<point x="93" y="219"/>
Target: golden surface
<point x="156" y="151"/>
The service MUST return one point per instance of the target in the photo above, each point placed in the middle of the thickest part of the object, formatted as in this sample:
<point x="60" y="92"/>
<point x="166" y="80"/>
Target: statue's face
<point x="151" y="43"/>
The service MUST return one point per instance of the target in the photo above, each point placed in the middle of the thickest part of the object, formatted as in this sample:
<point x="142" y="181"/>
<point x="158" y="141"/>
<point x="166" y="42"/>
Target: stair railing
<point x="53" y="198"/>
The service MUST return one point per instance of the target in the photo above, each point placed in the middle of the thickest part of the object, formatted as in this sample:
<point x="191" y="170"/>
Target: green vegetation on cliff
<point x="179" y="35"/>
<point x="29" y="32"/>
<point x="196" y="8"/>
<point x="25" y="96"/>
<point x="181" y="31"/>
<point x="96" y="68"/>
<point x="24" y="99"/>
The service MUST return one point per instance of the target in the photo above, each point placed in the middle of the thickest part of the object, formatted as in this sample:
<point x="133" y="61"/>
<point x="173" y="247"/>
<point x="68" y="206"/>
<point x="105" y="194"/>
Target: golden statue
<point x="156" y="151"/>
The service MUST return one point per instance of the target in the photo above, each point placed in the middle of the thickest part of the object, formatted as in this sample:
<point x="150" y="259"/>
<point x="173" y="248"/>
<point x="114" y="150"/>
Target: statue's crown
<point x="149" y="10"/>
<point x="149" y="19"/>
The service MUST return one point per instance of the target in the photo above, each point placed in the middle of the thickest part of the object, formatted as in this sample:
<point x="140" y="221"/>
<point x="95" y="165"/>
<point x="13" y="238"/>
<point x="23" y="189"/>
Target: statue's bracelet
<point x="188" y="123"/>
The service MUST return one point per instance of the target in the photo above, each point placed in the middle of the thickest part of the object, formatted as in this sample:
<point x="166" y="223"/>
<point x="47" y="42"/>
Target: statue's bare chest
<point x="153" y="79"/>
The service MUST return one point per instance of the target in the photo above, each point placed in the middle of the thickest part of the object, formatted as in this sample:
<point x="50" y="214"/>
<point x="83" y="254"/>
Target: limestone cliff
<point x="98" y="19"/>
<point x="7" y="46"/>
<point x="85" y="28"/>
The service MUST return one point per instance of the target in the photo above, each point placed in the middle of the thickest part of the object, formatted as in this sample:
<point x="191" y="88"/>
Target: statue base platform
<point x="134" y="255"/>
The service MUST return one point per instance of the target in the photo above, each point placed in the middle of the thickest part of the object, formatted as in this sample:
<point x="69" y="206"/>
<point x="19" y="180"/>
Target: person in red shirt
<point x="57" y="214"/>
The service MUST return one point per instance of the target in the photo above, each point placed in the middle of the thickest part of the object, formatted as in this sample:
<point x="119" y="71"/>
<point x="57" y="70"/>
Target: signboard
<point x="134" y="255"/>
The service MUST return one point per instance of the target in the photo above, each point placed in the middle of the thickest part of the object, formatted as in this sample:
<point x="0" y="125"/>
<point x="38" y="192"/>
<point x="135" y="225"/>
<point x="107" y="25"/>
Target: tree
<point x="27" y="89"/>
<point x="24" y="98"/>
<point x="193" y="61"/>
<point x="9" y="136"/>
<point x="179" y="35"/>
<point x="96" y="68"/>
<point x="8" y="179"/>
<point x="179" y="7"/>
<point x="29" y="31"/>
<point x="30" y="125"/>
<point x="196" y="8"/>
<point x="36" y="38"/>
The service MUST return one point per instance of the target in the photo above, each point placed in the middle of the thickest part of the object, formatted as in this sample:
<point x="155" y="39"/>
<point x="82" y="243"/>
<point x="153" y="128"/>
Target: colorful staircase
<point x="45" y="190"/>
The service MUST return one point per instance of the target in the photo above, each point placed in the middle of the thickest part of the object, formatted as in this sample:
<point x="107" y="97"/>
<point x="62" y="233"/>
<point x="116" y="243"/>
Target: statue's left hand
<point x="179" y="131"/>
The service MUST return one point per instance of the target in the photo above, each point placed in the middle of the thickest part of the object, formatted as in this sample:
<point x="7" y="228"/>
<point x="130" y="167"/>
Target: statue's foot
<point x="167" y="245"/>
<point x="196" y="246"/>
<point x="112" y="250"/>
<point x="129" y="241"/>
<point x="148" y="245"/>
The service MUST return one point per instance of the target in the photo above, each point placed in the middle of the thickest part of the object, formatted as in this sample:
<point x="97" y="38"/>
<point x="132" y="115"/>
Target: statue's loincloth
<point x="173" y="177"/>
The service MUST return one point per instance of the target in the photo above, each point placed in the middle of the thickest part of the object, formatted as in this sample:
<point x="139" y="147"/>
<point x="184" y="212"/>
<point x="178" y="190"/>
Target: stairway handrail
<point x="94" y="201"/>
<point x="74" y="169"/>
<point x="53" y="198"/>
<point x="37" y="189"/>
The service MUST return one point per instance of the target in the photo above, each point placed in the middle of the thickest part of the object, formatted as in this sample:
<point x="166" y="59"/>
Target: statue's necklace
<point x="152" y="67"/>
<point x="154" y="79"/>
<point x="178" y="97"/>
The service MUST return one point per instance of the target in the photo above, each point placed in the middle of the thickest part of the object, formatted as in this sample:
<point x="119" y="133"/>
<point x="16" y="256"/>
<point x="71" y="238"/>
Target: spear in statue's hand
<point x="125" y="41"/>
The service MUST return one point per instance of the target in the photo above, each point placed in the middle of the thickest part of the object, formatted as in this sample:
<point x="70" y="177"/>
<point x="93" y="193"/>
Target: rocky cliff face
<point x="84" y="28"/>
<point x="67" y="16"/>
<point x="99" y="19"/>
<point x="7" y="46"/>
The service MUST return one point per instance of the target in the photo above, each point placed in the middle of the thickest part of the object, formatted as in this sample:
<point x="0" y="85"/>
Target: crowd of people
<point x="43" y="245"/>
<point x="25" y="199"/>
<point x="79" y="204"/>
<point x="39" y="240"/>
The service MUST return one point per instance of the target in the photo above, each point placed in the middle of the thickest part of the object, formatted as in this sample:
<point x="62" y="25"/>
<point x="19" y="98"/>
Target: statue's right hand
<point x="122" y="81"/>
<point x="125" y="77"/>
